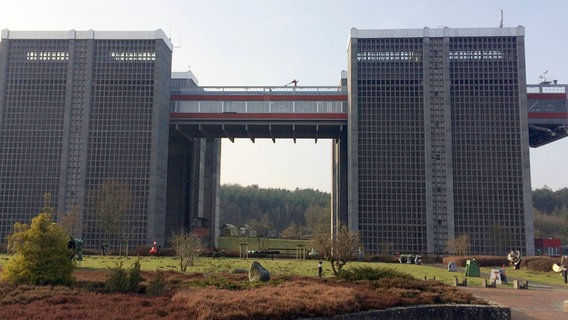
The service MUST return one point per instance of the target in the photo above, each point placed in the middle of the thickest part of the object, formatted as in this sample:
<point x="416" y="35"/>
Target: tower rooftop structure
<point x="87" y="34"/>
<point x="437" y="32"/>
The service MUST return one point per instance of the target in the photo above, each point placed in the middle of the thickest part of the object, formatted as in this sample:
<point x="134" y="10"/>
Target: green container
<point x="472" y="269"/>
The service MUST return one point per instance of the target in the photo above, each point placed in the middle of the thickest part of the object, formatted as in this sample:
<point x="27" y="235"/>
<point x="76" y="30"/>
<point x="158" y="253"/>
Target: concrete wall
<point x="434" y="312"/>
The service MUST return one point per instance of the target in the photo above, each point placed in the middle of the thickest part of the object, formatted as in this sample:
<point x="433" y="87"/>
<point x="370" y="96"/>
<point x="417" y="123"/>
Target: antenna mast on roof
<point x="543" y="79"/>
<point x="501" y="23"/>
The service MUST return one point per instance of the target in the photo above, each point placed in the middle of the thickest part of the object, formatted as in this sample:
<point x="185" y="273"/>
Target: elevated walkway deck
<point x="320" y="112"/>
<point x="260" y="112"/>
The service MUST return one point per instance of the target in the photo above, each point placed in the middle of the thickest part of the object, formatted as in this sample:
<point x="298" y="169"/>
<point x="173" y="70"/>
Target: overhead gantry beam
<point x="248" y="133"/>
<point x="317" y="132"/>
<point x="294" y="132"/>
<point x="271" y="133"/>
<point x="227" y="133"/>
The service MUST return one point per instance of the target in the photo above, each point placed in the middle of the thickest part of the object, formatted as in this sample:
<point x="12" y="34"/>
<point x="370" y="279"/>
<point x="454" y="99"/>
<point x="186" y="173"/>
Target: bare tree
<point x="71" y="222"/>
<point x="112" y="204"/>
<point x="322" y="242"/>
<point x="187" y="245"/>
<point x="262" y="229"/>
<point x="459" y="245"/>
<point x="124" y="231"/>
<point x="339" y="249"/>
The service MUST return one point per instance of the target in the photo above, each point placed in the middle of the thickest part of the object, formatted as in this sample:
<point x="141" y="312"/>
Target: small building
<point x="548" y="247"/>
<point x="229" y="230"/>
<point x="247" y="231"/>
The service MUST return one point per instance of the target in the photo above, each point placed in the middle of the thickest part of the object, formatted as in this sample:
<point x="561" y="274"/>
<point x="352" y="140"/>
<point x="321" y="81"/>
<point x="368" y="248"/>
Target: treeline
<point x="283" y="213"/>
<point x="550" y="202"/>
<point x="550" y="213"/>
<point x="298" y="213"/>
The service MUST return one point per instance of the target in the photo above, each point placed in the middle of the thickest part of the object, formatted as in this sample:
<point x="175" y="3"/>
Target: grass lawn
<point x="305" y="268"/>
<point x="209" y="286"/>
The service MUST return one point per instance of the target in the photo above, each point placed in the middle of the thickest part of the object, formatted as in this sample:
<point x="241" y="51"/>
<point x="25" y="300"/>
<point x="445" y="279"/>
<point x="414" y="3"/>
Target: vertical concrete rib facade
<point x="78" y="108"/>
<point x="438" y="142"/>
<point x="436" y="145"/>
<point x="194" y="178"/>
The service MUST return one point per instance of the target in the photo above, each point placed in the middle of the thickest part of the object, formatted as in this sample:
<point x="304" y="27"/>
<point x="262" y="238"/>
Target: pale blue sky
<point x="261" y="42"/>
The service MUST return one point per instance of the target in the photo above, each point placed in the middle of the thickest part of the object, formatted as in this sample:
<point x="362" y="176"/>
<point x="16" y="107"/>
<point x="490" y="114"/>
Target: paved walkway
<point x="540" y="301"/>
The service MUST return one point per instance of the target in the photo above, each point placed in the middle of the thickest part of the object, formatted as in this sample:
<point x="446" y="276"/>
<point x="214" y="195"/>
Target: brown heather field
<point x="220" y="296"/>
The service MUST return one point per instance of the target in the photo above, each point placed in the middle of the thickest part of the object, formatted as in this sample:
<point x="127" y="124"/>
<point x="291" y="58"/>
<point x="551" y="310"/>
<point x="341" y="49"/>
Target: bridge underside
<point x="262" y="126"/>
<point x="548" y="114"/>
<point x="195" y="154"/>
<point x="541" y="134"/>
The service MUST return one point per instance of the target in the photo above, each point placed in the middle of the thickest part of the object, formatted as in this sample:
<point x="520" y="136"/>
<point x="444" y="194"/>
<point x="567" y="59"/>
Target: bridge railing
<point x="259" y="106"/>
<point x="260" y="100"/>
<point x="546" y="88"/>
<point x="251" y="90"/>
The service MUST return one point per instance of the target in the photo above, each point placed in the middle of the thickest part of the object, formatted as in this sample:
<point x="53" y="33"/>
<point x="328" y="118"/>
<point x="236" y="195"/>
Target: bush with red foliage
<point x="298" y="298"/>
<point x="226" y="296"/>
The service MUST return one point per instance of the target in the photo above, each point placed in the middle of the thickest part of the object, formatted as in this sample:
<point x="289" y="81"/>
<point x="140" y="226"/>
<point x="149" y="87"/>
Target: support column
<point x="339" y="185"/>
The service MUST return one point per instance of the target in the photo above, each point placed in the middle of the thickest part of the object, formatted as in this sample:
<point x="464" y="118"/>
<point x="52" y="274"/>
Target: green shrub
<point x="117" y="280"/>
<point x="121" y="281"/>
<point x="42" y="256"/>
<point x="134" y="278"/>
<point x="157" y="285"/>
<point x="369" y="273"/>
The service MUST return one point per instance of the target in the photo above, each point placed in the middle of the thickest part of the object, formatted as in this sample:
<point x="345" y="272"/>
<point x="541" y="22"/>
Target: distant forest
<point x="550" y="213"/>
<point x="287" y="214"/>
<point x="299" y="213"/>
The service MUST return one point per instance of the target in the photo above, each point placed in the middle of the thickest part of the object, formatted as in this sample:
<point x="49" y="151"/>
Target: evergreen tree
<point x="41" y="253"/>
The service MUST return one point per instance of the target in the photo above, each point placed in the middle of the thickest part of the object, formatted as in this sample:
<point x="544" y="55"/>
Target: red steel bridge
<point x="320" y="112"/>
<point x="261" y="112"/>
<point x="547" y="113"/>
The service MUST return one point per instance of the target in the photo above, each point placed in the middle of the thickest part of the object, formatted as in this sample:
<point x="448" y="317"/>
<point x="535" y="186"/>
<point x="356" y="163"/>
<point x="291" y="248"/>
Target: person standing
<point x="320" y="269"/>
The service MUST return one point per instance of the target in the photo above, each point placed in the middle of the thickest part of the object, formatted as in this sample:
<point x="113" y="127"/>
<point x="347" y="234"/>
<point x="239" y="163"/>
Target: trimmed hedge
<point x="532" y="263"/>
<point x="382" y="258"/>
<point x="482" y="261"/>
<point x="539" y="263"/>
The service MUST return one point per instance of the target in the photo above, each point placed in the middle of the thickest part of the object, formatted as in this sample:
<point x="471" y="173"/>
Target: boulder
<point x="258" y="273"/>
